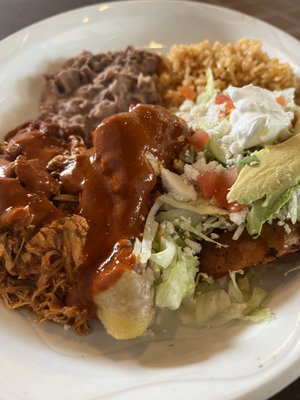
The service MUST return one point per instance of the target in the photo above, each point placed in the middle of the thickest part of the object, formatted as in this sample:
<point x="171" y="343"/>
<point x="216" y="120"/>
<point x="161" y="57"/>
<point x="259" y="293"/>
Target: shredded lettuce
<point x="210" y="91"/>
<point x="174" y="268"/>
<point x="235" y="297"/>
<point x="164" y="257"/>
<point x="177" y="282"/>
<point x="143" y="249"/>
<point x="199" y="206"/>
<point x="171" y="243"/>
<point x="185" y="225"/>
<point x="251" y="160"/>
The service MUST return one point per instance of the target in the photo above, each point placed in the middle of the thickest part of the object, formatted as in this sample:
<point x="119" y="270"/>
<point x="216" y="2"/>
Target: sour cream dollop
<point x="258" y="118"/>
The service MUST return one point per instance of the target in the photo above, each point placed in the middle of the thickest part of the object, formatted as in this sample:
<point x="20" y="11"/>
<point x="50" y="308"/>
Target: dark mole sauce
<point x="116" y="195"/>
<point x="24" y="182"/>
<point x="115" y="182"/>
<point x="37" y="145"/>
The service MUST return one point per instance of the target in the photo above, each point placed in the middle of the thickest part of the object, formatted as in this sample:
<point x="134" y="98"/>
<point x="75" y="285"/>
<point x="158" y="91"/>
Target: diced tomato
<point x="224" y="183"/>
<point x="230" y="176"/>
<point x="215" y="186"/>
<point x="199" y="139"/>
<point x="280" y="100"/>
<point x="187" y="92"/>
<point x="223" y="98"/>
<point x="207" y="182"/>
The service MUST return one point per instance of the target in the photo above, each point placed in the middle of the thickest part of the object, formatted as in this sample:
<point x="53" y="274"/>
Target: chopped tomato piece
<point x="187" y="92"/>
<point x="215" y="186"/>
<point x="280" y="100"/>
<point x="230" y="176"/>
<point x="223" y="98"/>
<point x="199" y="139"/>
<point x="221" y="193"/>
<point x="224" y="183"/>
<point x="207" y="182"/>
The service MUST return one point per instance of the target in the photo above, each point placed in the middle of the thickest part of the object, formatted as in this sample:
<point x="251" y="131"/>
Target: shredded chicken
<point x="40" y="272"/>
<point x="41" y="239"/>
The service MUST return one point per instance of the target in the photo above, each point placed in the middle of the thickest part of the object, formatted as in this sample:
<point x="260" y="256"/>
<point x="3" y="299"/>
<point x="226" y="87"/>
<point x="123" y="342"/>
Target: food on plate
<point x="273" y="242"/>
<point x="116" y="209"/>
<point x="42" y="240"/>
<point x="50" y="222"/>
<point x="184" y="69"/>
<point x="91" y="87"/>
<point x="268" y="185"/>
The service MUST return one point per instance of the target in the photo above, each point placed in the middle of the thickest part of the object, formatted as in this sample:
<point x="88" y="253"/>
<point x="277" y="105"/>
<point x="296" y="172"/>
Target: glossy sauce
<point x="6" y="169"/>
<point x="37" y="145"/>
<point x="14" y="198"/>
<point x="35" y="178"/>
<point x="117" y="191"/>
<point x="73" y="176"/>
<point x="114" y="181"/>
<point x="24" y="182"/>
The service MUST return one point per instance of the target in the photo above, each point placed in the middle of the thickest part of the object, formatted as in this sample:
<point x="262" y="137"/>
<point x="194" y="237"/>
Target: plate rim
<point x="274" y="384"/>
<point x="116" y="3"/>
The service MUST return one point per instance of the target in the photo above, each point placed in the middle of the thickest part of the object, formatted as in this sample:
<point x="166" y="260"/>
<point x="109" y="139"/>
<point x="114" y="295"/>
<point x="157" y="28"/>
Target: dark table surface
<point x="285" y="14"/>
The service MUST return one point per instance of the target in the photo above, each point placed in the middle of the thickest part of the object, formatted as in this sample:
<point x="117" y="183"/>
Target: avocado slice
<point x="269" y="184"/>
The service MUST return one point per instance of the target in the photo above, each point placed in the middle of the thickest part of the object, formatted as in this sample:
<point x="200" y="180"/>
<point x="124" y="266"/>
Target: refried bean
<point x="91" y="87"/>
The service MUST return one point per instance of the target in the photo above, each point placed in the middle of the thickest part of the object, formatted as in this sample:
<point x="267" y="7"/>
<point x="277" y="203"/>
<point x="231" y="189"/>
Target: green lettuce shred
<point x="250" y="160"/>
<point x="217" y="302"/>
<point x="175" y="270"/>
<point x="210" y="91"/>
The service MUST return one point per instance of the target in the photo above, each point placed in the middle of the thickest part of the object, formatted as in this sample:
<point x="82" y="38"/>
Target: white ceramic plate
<point x="44" y="361"/>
